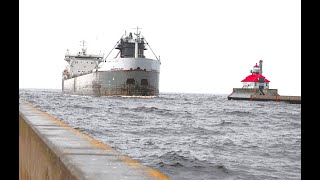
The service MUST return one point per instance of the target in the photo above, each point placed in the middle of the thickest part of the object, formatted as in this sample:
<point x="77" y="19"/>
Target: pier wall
<point x="50" y="149"/>
<point x="291" y="99"/>
<point x="254" y="95"/>
<point x="271" y="92"/>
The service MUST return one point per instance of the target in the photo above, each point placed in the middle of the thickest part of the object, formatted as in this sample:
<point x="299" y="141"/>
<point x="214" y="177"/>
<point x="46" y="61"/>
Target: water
<point x="188" y="136"/>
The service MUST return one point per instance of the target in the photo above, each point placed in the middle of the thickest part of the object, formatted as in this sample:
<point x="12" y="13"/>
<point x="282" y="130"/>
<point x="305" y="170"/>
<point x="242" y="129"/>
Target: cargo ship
<point x="130" y="73"/>
<point x="256" y="88"/>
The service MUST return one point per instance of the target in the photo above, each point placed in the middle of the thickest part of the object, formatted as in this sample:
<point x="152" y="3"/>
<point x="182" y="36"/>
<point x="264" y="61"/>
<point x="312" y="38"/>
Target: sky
<point x="205" y="46"/>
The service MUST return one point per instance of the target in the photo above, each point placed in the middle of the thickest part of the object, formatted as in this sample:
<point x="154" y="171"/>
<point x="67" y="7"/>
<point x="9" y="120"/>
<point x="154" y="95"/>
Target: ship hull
<point x="114" y="83"/>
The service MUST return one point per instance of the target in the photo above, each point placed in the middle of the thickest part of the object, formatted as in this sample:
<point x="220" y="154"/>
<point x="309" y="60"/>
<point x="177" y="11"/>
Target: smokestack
<point x="260" y="65"/>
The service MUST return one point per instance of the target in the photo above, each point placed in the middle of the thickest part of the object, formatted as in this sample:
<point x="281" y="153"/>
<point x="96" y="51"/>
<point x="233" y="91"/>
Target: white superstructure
<point x="81" y="63"/>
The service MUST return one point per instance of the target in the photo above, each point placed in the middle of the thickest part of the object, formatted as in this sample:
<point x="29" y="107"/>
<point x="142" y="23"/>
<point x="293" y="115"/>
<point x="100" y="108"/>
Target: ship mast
<point x="136" y="42"/>
<point x="83" y="47"/>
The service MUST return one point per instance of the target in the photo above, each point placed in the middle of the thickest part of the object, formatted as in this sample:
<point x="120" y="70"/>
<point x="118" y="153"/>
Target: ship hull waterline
<point x="114" y="83"/>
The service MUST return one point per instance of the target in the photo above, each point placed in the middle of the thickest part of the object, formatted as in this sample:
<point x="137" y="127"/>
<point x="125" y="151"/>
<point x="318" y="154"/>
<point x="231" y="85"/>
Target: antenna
<point x="83" y="42"/>
<point x="138" y="33"/>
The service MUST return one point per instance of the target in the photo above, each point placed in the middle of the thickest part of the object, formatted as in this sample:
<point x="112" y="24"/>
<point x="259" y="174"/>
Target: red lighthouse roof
<point x="256" y="65"/>
<point x="254" y="78"/>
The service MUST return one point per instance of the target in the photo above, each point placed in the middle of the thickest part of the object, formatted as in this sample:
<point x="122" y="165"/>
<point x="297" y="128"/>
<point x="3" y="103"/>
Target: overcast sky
<point x="206" y="46"/>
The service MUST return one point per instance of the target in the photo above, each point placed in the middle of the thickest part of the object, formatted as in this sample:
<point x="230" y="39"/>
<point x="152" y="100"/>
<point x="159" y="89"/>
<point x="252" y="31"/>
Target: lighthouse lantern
<point x="256" y="80"/>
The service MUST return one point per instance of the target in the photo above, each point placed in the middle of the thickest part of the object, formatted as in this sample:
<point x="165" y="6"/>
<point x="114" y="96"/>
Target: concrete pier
<point x="269" y="95"/>
<point x="290" y="99"/>
<point x="50" y="149"/>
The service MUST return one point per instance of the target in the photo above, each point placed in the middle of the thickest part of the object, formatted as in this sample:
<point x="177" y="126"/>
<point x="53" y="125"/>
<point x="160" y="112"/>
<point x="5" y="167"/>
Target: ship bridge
<point x="127" y="46"/>
<point x="81" y="62"/>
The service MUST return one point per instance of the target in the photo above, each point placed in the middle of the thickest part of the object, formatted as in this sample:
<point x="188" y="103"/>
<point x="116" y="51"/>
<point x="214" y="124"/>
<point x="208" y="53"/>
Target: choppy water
<point x="188" y="136"/>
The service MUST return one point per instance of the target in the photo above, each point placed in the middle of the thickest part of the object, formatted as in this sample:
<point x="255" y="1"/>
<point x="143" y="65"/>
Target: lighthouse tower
<point x="256" y="80"/>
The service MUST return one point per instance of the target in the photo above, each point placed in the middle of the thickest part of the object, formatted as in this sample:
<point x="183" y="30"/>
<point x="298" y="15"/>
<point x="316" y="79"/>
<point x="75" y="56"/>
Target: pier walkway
<point x="50" y="149"/>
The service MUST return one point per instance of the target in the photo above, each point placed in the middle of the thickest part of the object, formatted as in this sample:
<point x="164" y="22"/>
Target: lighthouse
<point x="254" y="84"/>
<point x="256" y="80"/>
<point x="256" y="88"/>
